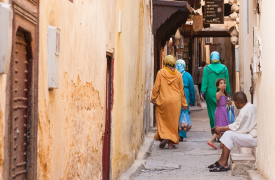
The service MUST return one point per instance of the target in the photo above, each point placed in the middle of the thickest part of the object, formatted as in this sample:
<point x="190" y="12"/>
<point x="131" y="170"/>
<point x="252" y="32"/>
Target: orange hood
<point x="169" y="76"/>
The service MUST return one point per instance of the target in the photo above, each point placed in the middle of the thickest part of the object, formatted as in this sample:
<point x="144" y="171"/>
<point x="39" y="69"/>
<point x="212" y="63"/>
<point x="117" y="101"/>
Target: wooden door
<point x="107" y="134"/>
<point x="19" y="132"/>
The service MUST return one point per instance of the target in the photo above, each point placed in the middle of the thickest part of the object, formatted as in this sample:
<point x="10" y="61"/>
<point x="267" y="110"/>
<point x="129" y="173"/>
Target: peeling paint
<point x="80" y="147"/>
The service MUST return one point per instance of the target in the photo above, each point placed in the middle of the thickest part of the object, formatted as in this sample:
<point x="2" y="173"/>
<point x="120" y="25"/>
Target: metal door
<point x="107" y="134"/>
<point x="20" y="109"/>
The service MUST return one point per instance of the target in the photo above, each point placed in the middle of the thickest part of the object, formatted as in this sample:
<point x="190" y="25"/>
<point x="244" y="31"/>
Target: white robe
<point x="244" y="130"/>
<point x="246" y="122"/>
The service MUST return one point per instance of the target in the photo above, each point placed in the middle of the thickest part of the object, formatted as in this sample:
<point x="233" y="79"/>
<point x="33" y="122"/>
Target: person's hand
<point x="184" y="107"/>
<point x="202" y="98"/>
<point x="216" y="130"/>
<point x="154" y="102"/>
<point x="229" y="102"/>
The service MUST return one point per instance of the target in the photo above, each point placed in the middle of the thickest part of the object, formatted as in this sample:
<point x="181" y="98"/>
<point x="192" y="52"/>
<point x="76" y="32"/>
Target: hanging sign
<point x="214" y="12"/>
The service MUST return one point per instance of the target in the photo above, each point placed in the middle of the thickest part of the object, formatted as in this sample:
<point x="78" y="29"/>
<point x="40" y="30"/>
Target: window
<point x="208" y="40"/>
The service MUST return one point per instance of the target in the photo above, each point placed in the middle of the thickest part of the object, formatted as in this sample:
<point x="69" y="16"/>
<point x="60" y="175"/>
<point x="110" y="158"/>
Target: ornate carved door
<point x="20" y="109"/>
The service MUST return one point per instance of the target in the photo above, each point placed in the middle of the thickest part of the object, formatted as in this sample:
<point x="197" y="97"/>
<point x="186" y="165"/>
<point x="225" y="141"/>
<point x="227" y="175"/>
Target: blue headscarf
<point x="215" y="57"/>
<point x="180" y="65"/>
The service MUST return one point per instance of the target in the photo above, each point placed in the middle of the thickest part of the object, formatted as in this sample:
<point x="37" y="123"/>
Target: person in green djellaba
<point x="211" y="74"/>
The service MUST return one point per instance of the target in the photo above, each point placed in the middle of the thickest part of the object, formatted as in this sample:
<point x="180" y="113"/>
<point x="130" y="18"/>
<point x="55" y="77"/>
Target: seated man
<point x="241" y="133"/>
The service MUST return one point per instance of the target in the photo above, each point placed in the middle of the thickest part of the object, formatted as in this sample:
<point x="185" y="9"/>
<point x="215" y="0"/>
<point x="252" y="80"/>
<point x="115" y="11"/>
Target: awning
<point x="163" y="10"/>
<point x="168" y="16"/>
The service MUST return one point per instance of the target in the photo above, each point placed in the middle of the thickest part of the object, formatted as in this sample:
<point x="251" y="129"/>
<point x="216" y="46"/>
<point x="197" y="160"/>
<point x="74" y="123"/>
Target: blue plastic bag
<point x="230" y="114"/>
<point x="185" y="121"/>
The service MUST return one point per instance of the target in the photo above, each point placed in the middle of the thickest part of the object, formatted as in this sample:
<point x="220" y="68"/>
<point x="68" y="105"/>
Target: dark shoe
<point x="219" y="168"/>
<point x="214" y="165"/>
<point x="181" y="139"/>
<point x="163" y="143"/>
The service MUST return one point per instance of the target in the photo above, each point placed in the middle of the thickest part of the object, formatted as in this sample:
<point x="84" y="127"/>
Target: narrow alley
<point x="88" y="88"/>
<point x="190" y="159"/>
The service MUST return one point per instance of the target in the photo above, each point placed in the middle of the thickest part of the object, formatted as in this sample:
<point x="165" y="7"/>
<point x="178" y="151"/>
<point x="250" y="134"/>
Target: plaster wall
<point x="3" y="111"/>
<point x="133" y="80"/>
<point x="265" y="95"/>
<point x="263" y="86"/>
<point x="72" y="117"/>
<point x="3" y="118"/>
<point x="246" y="45"/>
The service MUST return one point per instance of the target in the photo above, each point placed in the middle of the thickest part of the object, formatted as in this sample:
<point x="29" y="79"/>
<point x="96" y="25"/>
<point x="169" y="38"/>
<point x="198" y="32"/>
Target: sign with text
<point x="214" y="12"/>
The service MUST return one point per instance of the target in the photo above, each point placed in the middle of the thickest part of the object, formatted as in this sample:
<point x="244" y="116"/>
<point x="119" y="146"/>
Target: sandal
<point x="163" y="143"/>
<point x="214" y="165"/>
<point x="219" y="168"/>
<point x="212" y="145"/>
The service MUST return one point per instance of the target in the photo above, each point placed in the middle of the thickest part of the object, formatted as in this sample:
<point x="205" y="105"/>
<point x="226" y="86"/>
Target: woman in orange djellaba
<point x="168" y="96"/>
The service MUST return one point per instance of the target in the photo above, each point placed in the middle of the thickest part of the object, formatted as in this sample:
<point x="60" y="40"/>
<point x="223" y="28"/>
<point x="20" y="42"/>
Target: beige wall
<point x="265" y="94"/>
<point x="3" y="118"/>
<point x="133" y="82"/>
<point x="263" y="82"/>
<point x="246" y="47"/>
<point x="72" y="117"/>
<point x="3" y="111"/>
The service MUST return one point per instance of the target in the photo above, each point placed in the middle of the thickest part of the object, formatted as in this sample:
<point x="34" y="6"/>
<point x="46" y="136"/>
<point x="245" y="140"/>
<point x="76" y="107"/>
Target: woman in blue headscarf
<point x="188" y="88"/>
<point x="211" y="73"/>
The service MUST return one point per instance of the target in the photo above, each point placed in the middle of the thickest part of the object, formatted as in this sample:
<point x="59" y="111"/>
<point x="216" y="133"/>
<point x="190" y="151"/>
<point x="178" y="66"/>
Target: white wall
<point x="265" y="93"/>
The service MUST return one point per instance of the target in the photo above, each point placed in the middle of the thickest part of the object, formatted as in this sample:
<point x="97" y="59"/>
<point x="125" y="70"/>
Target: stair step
<point x="254" y="175"/>
<point x="246" y="150"/>
<point x="240" y="163"/>
<point x="254" y="152"/>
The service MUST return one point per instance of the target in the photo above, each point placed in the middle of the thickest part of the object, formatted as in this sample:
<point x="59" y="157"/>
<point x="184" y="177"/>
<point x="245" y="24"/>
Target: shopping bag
<point x="185" y="121"/>
<point x="231" y="114"/>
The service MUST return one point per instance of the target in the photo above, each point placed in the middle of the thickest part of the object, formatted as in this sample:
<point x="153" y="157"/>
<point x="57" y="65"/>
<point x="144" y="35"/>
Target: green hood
<point x="216" y="68"/>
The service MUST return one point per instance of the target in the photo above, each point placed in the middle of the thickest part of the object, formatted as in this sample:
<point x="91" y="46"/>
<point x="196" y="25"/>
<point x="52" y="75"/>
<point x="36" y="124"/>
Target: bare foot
<point x="211" y="142"/>
<point x="171" y="145"/>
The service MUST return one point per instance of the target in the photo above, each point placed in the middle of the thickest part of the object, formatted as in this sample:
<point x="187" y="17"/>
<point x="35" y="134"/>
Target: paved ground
<point x="191" y="156"/>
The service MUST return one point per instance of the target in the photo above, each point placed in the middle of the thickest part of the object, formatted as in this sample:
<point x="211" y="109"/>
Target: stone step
<point x="254" y="175"/>
<point x="240" y="163"/>
<point x="254" y="152"/>
<point x="246" y="150"/>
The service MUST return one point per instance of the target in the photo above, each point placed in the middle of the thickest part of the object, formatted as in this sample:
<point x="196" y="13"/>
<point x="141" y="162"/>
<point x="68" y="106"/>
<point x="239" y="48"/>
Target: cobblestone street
<point x="189" y="160"/>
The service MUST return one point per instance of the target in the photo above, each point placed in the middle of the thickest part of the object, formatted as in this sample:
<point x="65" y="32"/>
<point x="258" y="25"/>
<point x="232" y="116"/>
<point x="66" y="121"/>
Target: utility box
<point x="6" y="17"/>
<point x="53" y="57"/>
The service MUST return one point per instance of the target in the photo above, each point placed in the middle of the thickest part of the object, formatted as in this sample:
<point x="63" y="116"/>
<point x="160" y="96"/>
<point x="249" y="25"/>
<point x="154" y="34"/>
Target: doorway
<point x="20" y="109"/>
<point x="107" y="135"/>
